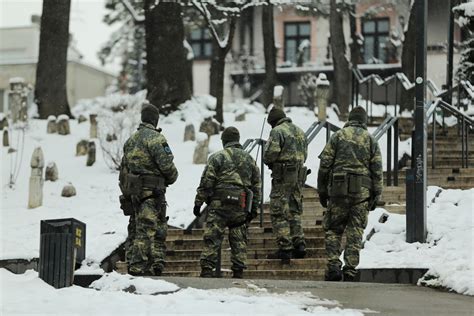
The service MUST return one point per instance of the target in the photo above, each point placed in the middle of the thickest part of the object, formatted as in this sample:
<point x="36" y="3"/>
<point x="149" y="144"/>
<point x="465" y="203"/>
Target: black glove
<point x="251" y="216"/>
<point x="374" y="200"/>
<point x="323" y="199"/>
<point x="197" y="210"/>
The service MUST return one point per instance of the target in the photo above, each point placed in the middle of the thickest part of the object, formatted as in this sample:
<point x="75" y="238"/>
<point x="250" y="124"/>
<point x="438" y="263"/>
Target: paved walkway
<point x="385" y="299"/>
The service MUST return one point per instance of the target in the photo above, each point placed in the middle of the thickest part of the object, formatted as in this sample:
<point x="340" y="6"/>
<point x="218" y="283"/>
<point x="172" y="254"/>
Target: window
<point x="376" y="34"/>
<point x="201" y="42"/>
<point x="295" y="34"/>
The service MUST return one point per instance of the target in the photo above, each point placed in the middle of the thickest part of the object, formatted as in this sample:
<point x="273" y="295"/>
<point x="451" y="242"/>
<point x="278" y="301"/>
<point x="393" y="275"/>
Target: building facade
<point x="19" y="50"/>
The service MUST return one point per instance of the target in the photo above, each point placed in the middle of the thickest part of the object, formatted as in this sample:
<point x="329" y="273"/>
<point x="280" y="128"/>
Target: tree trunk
<point x="167" y="75"/>
<point x="269" y="51"/>
<point x="355" y="46"/>
<point x="50" y="90"/>
<point x="407" y="100"/>
<point x="218" y="70"/>
<point x="342" y="73"/>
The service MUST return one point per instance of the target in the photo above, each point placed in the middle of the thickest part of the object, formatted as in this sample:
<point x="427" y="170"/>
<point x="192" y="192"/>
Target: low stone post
<point x="322" y="95"/>
<point x="35" y="198"/>
<point x="90" y="154"/>
<point x="6" y="141"/>
<point x="63" y="125"/>
<point x="17" y="99"/>
<point x="93" y="129"/>
<point x="81" y="148"/>
<point x="3" y="123"/>
<point x="189" y="133"/>
<point x="52" y="126"/>
<point x="51" y="173"/>
<point x="202" y="149"/>
<point x="68" y="190"/>
<point x="81" y="119"/>
<point x="209" y="126"/>
<point x="240" y="117"/>
<point x="278" y="101"/>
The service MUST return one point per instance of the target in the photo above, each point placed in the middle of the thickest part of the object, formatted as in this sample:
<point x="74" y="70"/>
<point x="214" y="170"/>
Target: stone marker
<point x="93" y="129"/>
<point x="3" y="123"/>
<point x="51" y="173"/>
<point x="63" y="125"/>
<point x="90" y="154"/>
<point x="121" y="267"/>
<point x="240" y="117"/>
<point x="11" y="150"/>
<point x="202" y="149"/>
<point x="81" y="119"/>
<point x="110" y="137"/>
<point x="18" y="99"/>
<point x="189" y="133"/>
<point x="322" y="96"/>
<point x="81" y="148"/>
<point x="35" y="197"/>
<point x="210" y="126"/>
<point x="6" y="142"/>
<point x="278" y="97"/>
<point x="52" y="126"/>
<point x="68" y="190"/>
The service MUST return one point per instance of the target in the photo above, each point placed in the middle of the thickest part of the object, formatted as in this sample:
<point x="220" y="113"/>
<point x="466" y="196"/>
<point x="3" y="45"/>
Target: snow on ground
<point x="26" y="293"/>
<point x="96" y="202"/>
<point x="448" y="252"/>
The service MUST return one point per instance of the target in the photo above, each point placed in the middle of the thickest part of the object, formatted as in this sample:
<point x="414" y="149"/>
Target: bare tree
<point x="222" y="36"/>
<point x="167" y="82"/>
<point x="342" y="72"/>
<point x="50" y="89"/>
<point x="269" y="52"/>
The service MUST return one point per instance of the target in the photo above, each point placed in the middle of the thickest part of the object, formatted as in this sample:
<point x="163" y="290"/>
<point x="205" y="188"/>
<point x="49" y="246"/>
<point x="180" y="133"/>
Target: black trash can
<point x="62" y="248"/>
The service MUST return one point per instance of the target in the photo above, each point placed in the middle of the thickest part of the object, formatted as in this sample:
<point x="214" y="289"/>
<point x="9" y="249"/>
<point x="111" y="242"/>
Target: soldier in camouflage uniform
<point x="228" y="174"/>
<point x="285" y="153"/>
<point x="350" y="178"/>
<point x="147" y="168"/>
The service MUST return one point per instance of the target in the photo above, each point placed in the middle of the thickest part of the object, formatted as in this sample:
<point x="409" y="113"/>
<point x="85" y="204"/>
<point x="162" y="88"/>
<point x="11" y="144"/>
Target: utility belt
<point x="238" y="197"/>
<point x="289" y="173"/>
<point x="134" y="185"/>
<point x="346" y="184"/>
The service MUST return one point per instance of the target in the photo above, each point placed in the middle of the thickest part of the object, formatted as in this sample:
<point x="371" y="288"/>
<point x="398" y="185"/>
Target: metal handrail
<point x="466" y="124"/>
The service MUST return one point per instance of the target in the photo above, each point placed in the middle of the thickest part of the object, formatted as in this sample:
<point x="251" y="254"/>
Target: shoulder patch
<point x="167" y="148"/>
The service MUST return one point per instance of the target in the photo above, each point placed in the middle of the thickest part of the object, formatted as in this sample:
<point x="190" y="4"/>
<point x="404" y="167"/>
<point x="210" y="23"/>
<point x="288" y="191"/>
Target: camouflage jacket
<point x="147" y="152"/>
<point x="287" y="143"/>
<point x="351" y="149"/>
<point x="221" y="174"/>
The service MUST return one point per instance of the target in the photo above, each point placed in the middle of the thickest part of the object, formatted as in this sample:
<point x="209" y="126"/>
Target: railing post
<point x="389" y="157"/>
<point x="328" y="132"/>
<point x="467" y="145"/>
<point x="433" y="141"/>
<point x="462" y="140"/>
<point x="262" y="180"/>
<point x="367" y="97"/>
<point x="386" y="99"/>
<point x="395" y="153"/>
<point x="371" y="99"/>
<point x="219" y="262"/>
<point x="357" y="92"/>
<point x="396" y="95"/>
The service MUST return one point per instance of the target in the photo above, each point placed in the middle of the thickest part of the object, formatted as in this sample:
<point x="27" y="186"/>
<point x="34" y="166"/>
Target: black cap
<point x="230" y="134"/>
<point x="275" y="115"/>
<point x="150" y="113"/>
<point x="358" y="114"/>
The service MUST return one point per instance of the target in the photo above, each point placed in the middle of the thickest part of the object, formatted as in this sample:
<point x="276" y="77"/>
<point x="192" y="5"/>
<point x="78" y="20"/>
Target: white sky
<point x="86" y="23"/>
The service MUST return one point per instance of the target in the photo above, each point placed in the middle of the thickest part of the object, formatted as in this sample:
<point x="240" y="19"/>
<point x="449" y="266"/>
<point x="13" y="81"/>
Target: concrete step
<point x="256" y="253"/>
<point x="309" y="274"/>
<point x="253" y="242"/>
<point x="257" y="231"/>
<point x="252" y="264"/>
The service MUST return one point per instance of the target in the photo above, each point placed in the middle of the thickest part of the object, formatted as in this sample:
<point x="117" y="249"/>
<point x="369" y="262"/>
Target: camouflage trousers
<point x="147" y="250"/>
<point x="286" y="208"/>
<point x="131" y="235"/>
<point x="216" y="223"/>
<point x="344" y="216"/>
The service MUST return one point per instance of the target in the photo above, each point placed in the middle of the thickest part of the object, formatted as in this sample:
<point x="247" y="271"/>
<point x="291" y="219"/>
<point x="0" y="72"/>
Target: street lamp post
<point x="416" y="211"/>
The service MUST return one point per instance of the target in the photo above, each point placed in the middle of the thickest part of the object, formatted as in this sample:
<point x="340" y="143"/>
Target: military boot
<point x="237" y="273"/>
<point x="333" y="275"/>
<point x="299" y="252"/>
<point x="283" y="255"/>
<point x="206" y="273"/>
